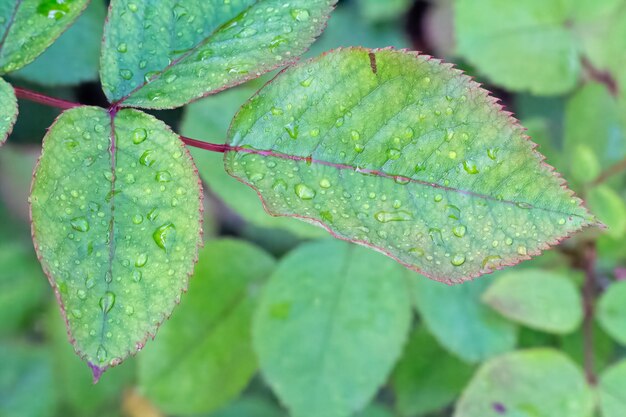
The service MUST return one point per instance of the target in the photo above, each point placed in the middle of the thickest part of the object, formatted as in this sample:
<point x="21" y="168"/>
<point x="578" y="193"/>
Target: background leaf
<point x="116" y="226"/>
<point x="206" y="346"/>
<point x="60" y="64"/>
<point x="179" y="52"/>
<point x="542" y="300"/>
<point x="8" y="109"/>
<point x="28" y="27"/>
<point x="533" y="382"/>
<point x="460" y="322"/>
<point x="422" y="174"/>
<point x="611" y="390"/>
<point x="612" y="311"/>
<point x="319" y="324"/>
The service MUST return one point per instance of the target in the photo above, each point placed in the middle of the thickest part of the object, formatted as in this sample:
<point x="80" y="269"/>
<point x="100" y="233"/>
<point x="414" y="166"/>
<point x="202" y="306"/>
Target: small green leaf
<point x="436" y="176"/>
<point x="542" y="300"/>
<point x="612" y="311"/>
<point x="62" y="63"/>
<point x="26" y="370"/>
<point x="206" y="346"/>
<point x="610" y="207"/>
<point x="163" y="54"/>
<point x="117" y="225"/>
<point x="523" y="47"/>
<point x="611" y="389"/>
<point x="328" y="333"/>
<point x="28" y="27"/>
<point x="481" y="333"/>
<point x="8" y="110"/>
<point x="539" y="382"/>
<point x="427" y="378"/>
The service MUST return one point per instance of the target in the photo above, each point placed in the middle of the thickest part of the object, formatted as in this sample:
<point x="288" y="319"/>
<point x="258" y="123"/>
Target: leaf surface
<point x="611" y="390"/>
<point x="8" y="110"/>
<point x="206" y="346"/>
<point x="539" y="382"/>
<point x="75" y="56"/>
<point x="165" y="53"/>
<point x="542" y="300"/>
<point x="481" y="334"/>
<point x="398" y="152"/>
<point x="28" y="27"/>
<point x="116" y="224"/>
<point x="320" y="324"/>
<point x="612" y="311"/>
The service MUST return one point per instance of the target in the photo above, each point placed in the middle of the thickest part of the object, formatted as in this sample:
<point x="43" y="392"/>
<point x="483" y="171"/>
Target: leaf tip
<point x="96" y="372"/>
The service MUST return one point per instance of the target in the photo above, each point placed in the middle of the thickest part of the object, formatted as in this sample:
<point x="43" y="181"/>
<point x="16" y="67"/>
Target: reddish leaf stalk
<point x="45" y="100"/>
<point x="615" y="169"/>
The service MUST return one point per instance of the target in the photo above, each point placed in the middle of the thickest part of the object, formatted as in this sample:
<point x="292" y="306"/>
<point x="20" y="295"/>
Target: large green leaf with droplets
<point x="28" y="27"/>
<point x="116" y="224"/>
<point x="331" y="323"/>
<point x="8" y="110"/>
<point x="165" y="53"/>
<point x="401" y="153"/>
<point x="538" y="382"/>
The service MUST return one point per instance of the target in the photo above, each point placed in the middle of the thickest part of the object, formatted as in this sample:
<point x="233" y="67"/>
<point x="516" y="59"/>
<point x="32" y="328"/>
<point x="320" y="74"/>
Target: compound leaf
<point x="28" y="27"/>
<point x="165" y="53"/>
<point x="320" y="324"/>
<point x="116" y="224"/>
<point x="8" y="110"/>
<point x="542" y="300"/>
<point x="539" y="382"/>
<point x="206" y="346"/>
<point x="398" y="152"/>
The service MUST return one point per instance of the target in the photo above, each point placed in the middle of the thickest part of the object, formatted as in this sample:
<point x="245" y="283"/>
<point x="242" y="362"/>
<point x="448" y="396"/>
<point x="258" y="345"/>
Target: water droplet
<point x="279" y="185"/>
<point x="324" y="183"/>
<point x="355" y="135"/>
<point x="80" y="224"/>
<point x="470" y="167"/>
<point x="492" y="153"/>
<point x="315" y="133"/>
<point x="304" y="192"/>
<point x="126" y="74"/>
<point x="359" y="148"/>
<point x="107" y="301"/>
<point x="276" y="42"/>
<point x="417" y="251"/>
<point x="396" y="216"/>
<point x="122" y="47"/>
<point x="137" y="219"/>
<point x="508" y="241"/>
<point x="77" y="313"/>
<point x="102" y="354"/>
<point x="457" y="260"/>
<point x="452" y="155"/>
<point x="141" y="260"/>
<point x="523" y="205"/>
<point x="129" y="310"/>
<point x="163" y="176"/>
<point x="300" y="15"/>
<point x="561" y="221"/>
<point x="307" y="82"/>
<point x="137" y="275"/>
<point x="132" y="7"/>
<point x="420" y="167"/>
<point x="292" y="129"/>
<point x="459" y="231"/>
<point x="139" y="135"/>
<point x="438" y="198"/>
<point x="522" y="250"/>
<point x="490" y="259"/>
<point x="164" y="236"/>
<point x="147" y="158"/>
<point x="393" y="153"/>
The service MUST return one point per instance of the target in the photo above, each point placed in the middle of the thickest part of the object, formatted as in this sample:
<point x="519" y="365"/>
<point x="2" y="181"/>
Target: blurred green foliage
<point x="278" y="321"/>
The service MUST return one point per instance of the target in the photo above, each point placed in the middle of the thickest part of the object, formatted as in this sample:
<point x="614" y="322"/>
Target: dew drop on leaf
<point x="80" y="224"/>
<point x="107" y="301"/>
<point x="164" y="236"/>
<point x="304" y="192"/>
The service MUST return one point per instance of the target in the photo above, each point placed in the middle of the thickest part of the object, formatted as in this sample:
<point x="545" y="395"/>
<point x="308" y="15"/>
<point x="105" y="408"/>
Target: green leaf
<point x="164" y="53"/>
<point x="436" y="176"/>
<point x="27" y="386"/>
<point x="380" y="11"/>
<point x="205" y="346"/>
<point x="611" y="209"/>
<point x="75" y="56"/>
<point x="542" y="300"/>
<point x="210" y="118"/>
<point x="328" y="333"/>
<point x="539" y="382"/>
<point x="250" y="406"/>
<point x="117" y="225"/>
<point x="523" y="47"/>
<point x="375" y="410"/>
<point x="427" y="378"/>
<point x="28" y="27"/>
<point x="612" y="311"/>
<point x="611" y="390"/>
<point x="8" y="110"/>
<point x="481" y="333"/>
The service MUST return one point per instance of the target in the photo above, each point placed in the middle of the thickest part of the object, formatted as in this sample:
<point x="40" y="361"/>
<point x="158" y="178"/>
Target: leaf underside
<point x="8" y="110"/>
<point x="28" y="27"/>
<point x="164" y="53"/>
<point x="116" y="225"/>
<point x="404" y="154"/>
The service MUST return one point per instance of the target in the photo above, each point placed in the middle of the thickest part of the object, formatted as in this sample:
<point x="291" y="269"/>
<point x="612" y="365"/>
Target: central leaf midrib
<point x="5" y="35"/>
<point x="187" y="54"/>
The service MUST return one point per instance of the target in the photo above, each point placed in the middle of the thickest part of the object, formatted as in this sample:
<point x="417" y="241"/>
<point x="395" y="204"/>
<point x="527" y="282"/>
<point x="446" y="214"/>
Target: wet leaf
<point x="542" y="300"/>
<point x="328" y="333"/>
<point x="206" y="346"/>
<point x="116" y="224"/>
<point x="8" y="110"/>
<point x="539" y="382"/>
<point x="28" y="27"/>
<point x="436" y="176"/>
<point x="165" y="53"/>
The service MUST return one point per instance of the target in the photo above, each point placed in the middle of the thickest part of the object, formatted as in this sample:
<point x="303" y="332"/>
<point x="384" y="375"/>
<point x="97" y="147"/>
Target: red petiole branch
<point x="65" y="105"/>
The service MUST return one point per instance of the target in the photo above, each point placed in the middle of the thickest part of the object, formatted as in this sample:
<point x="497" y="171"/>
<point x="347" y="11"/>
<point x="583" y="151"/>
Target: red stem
<point x="589" y="295"/>
<point x="45" y="100"/>
<point x="213" y="147"/>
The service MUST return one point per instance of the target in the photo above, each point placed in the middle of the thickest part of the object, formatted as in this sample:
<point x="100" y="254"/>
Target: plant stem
<point x="45" y="100"/>
<point x="609" y="172"/>
<point x="65" y="105"/>
<point x="589" y="295"/>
